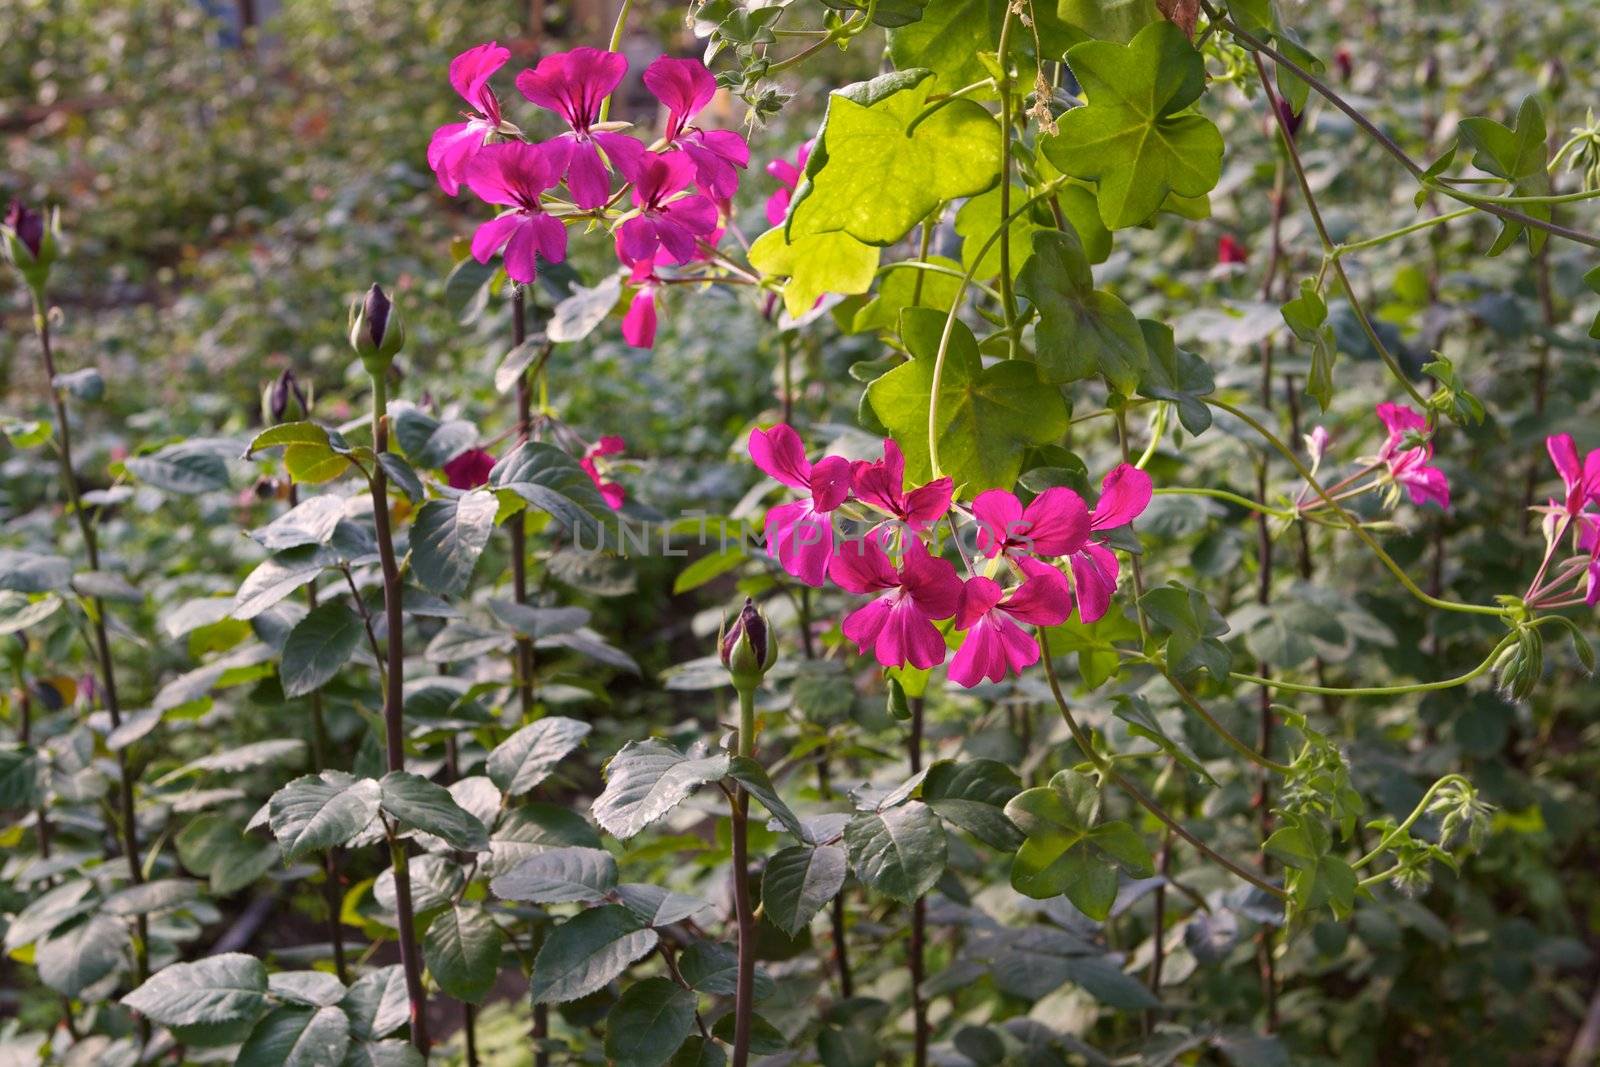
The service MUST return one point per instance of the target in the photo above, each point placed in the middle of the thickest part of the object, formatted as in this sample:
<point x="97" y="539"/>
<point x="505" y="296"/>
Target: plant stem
<point x="516" y="526"/>
<point x="1260" y="759"/>
<point x="1383" y="690"/>
<point x="1008" y="301"/>
<point x="129" y="829"/>
<point x="919" y="913"/>
<point x="393" y="711"/>
<point x="744" y="912"/>
<point x="1109" y="771"/>
<point x="616" y="39"/>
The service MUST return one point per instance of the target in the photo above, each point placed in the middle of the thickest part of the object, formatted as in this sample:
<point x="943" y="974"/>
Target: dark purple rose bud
<point x="285" y="400"/>
<point x="29" y="239"/>
<point x="747" y="648"/>
<point x="376" y="332"/>
<point x="27" y="225"/>
<point x="1291" y="118"/>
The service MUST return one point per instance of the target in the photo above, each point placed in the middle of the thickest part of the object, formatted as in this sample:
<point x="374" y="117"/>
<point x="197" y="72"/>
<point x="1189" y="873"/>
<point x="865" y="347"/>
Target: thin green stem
<point x="1158" y="429"/>
<point x="1258" y="758"/>
<point x="1350" y="521"/>
<point x="744" y="913"/>
<point x="616" y="40"/>
<point x="1008" y="301"/>
<point x="934" y="107"/>
<point x="1382" y="690"/>
<point x="1490" y="198"/>
<point x="1404" y="231"/>
<point x="1109" y="770"/>
<point x="1416" y="813"/>
<point x="1232" y="498"/>
<point x="925" y="267"/>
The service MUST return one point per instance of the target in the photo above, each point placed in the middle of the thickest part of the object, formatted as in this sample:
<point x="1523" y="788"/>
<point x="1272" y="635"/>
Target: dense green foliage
<point x="395" y="769"/>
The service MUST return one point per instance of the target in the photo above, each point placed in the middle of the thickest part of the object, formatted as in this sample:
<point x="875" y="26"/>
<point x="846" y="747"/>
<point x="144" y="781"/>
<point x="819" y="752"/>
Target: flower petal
<point x="1094" y="577"/>
<point x="1057" y="522"/>
<point x="1124" y="494"/>
<point x="780" y="453"/>
<point x="861" y="566"/>
<point x="999" y="516"/>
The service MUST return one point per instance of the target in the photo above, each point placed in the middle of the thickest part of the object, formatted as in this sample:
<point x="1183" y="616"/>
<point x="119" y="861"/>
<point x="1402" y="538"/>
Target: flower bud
<point x="376" y="332"/>
<point x="747" y="648"/>
<point x="283" y="400"/>
<point x="31" y="242"/>
<point x="1291" y="118"/>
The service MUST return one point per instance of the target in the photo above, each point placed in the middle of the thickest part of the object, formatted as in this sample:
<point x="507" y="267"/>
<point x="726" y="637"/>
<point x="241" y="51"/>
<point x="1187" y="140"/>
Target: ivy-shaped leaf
<point x="872" y="179"/>
<point x="1517" y="154"/>
<point x="1315" y="877"/>
<point x="1083" y="331"/>
<point x="814" y="264"/>
<point x="1191" y="626"/>
<point x="987" y="416"/>
<point x="1176" y="375"/>
<point x="1066" y="852"/>
<point x="1133" y="135"/>
<point x="1307" y="316"/>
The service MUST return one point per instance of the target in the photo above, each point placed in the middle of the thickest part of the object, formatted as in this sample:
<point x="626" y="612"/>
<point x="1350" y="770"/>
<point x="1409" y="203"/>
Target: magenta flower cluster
<point x="680" y="186"/>
<point x="912" y="587"/>
<point x="1580" y="478"/>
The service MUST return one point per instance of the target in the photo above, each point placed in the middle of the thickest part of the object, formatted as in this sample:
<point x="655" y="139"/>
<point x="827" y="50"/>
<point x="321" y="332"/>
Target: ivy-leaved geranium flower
<point x="881" y="485"/>
<point x="668" y="218"/>
<point x="469" y="470"/>
<point x="573" y="85"/>
<point x="455" y="145"/>
<point x="1406" y="454"/>
<point x="788" y="175"/>
<point x="1589" y="541"/>
<point x="1057" y="524"/>
<point x="513" y="174"/>
<point x="1581" y="478"/>
<point x="608" y="445"/>
<point x="685" y="86"/>
<point x="799" y="534"/>
<point x="994" y="642"/>
<point x="898" y="623"/>
<point x="639" y="324"/>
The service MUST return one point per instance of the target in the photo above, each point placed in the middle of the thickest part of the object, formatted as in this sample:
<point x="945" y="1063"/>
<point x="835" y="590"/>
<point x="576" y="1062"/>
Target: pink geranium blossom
<point x="573" y="85"/>
<point x="666" y="220"/>
<point x="455" y="145"/>
<point x="639" y="324"/>
<point x="788" y="176"/>
<point x="469" y="470"/>
<point x="994" y="642"/>
<point x="608" y="445"/>
<point x="513" y="174"/>
<point x="1407" y="461"/>
<point x="898" y="623"/>
<point x="800" y="534"/>
<point x="1058" y="524"/>
<point x="685" y="86"/>
<point x="1581" y="478"/>
<point x="881" y="485"/>
<point x="1589" y="541"/>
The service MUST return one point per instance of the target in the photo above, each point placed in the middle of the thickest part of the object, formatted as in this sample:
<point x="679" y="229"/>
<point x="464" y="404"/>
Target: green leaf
<point x="321" y="811"/>
<point x="391" y="1053"/>
<point x="310" y="522"/>
<point x="526" y="758"/>
<point x="447" y="538"/>
<point x="870" y="178"/>
<point x="1108" y="20"/>
<point x="148" y="898"/>
<point x="1191" y="626"/>
<point x="1307" y="316"/>
<point x="1176" y="375"/>
<point x="647" y="779"/>
<point x="418" y="804"/>
<point x="462" y="950"/>
<point x="577" y="316"/>
<point x="584" y="954"/>
<point x="1133" y="136"/>
<point x="798" y="882"/>
<point x="317" y="647"/>
<point x="648" y="1023"/>
<point x="1134" y="710"/>
<point x="750" y="774"/>
<point x="188" y="467"/>
<point x="276" y="577"/>
<point x="1066" y="853"/>
<point x="86" y="384"/>
<point x="899" y="852"/>
<point x="546" y="478"/>
<point x="73" y="959"/>
<point x="19" y="777"/>
<point x="973" y="794"/>
<point x="1082" y="330"/>
<point x="559" y="876"/>
<point x="376" y="1003"/>
<point x="987" y="416"/>
<point x="227" y="988"/>
<point x="402" y="476"/>
<point x="296" y="1036"/>
<point x="814" y="264"/>
<point x="33" y="572"/>
<point x="900" y="291"/>
<point x="289" y="433"/>
<point x="1517" y="154"/>
<point x="1315" y="877"/>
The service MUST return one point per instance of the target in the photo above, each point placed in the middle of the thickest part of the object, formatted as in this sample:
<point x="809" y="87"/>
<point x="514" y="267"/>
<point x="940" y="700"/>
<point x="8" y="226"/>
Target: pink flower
<point x="881" y="485"/>
<point x="573" y="85"/>
<point x="665" y="219"/>
<point x="800" y="534"/>
<point x="1589" y="540"/>
<point x="685" y="86"/>
<point x="639" y="324"/>
<point x="513" y="174"/>
<point x="455" y="145"/>
<point x="899" y="623"/>
<point x="788" y="175"/>
<point x="1407" y="462"/>
<point x="1582" y="480"/>
<point x="608" y="445"/>
<point x="469" y="470"/>
<point x="1230" y="250"/>
<point x="1057" y="524"/>
<point x="994" y="641"/>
